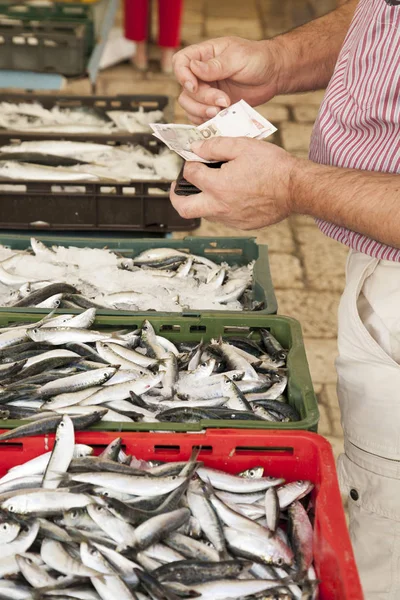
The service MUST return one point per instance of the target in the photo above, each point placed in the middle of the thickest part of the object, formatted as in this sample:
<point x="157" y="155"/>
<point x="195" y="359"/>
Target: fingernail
<point x="222" y="102"/>
<point x="212" y="111"/>
<point x="189" y="86"/>
<point x="196" y="146"/>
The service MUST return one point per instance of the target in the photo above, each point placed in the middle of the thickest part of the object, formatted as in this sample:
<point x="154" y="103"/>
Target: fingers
<point x="189" y="207"/>
<point x="200" y="175"/>
<point x="219" y="148"/>
<point x="198" y="109"/>
<point x="217" y="68"/>
<point x="181" y="62"/>
<point x="211" y="96"/>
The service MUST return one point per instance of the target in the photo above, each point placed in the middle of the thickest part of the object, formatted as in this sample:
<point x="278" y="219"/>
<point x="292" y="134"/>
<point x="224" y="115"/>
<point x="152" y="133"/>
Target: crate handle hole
<point x="98" y="448"/>
<point x="273" y="450"/>
<point x="194" y="328"/>
<point x="203" y="449"/>
<point x="14" y="446"/>
<point x="235" y="251"/>
<point x="170" y="328"/>
<point x="167" y="449"/>
<point x="236" y="329"/>
<point x="131" y="191"/>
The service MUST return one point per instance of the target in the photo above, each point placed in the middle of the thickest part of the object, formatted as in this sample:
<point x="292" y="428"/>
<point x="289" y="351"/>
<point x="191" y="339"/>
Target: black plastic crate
<point x="44" y="205"/>
<point x="47" y="47"/>
<point x="101" y="104"/>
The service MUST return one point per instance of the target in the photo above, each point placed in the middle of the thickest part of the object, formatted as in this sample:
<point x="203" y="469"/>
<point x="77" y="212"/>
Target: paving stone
<point x="78" y="87"/>
<point x="193" y="12"/>
<point x="246" y="28"/>
<point x="303" y="220"/>
<point x="321" y="356"/>
<point x="314" y="98"/>
<point x="277" y="237"/>
<point x="329" y="398"/>
<point x="192" y="33"/>
<point x="286" y="271"/>
<point x="305" y="113"/>
<point x="295" y="136"/>
<point x="337" y="445"/>
<point x="274" y="112"/>
<point x="318" y="387"/>
<point x="324" y="259"/>
<point x="303" y="154"/>
<point x="236" y="8"/>
<point x="324" y="425"/>
<point x="322" y="7"/>
<point x="316" y="310"/>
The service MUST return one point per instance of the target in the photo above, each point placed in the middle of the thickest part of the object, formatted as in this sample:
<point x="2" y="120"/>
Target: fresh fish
<point x="62" y="454"/>
<point x="32" y="172"/>
<point x="233" y="483"/>
<point x="80" y="533"/>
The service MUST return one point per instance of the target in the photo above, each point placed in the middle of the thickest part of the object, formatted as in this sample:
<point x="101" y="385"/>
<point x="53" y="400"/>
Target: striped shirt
<point x="358" y="125"/>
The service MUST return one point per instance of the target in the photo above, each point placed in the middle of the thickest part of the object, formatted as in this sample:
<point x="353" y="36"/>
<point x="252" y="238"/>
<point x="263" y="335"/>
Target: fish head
<point x="17" y="504"/>
<point x="34" y="334"/>
<point x="254" y="473"/>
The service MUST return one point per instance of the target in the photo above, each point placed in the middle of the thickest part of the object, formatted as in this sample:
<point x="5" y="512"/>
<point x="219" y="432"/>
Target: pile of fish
<point x="161" y="279"/>
<point x="34" y="118"/>
<point x="78" y="526"/>
<point x="59" y="366"/>
<point x="74" y="161"/>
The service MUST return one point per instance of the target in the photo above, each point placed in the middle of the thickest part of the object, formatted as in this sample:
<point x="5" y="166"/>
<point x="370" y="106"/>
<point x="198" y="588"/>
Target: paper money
<point x="239" y="120"/>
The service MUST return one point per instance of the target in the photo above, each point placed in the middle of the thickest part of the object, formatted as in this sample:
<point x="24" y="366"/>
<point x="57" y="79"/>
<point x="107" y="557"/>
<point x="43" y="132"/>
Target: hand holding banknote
<point x="239" y="120"/>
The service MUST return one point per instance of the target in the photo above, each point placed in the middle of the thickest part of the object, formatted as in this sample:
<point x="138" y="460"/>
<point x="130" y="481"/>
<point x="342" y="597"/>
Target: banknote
<point x="238" y="120"/>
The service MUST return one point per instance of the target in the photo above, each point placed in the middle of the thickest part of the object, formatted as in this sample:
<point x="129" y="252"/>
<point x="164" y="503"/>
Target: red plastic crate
<point x="293" y="455"/>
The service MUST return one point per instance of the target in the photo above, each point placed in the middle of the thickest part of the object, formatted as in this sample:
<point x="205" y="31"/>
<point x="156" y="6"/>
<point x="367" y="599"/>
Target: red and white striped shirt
<point x="358" y="125"/>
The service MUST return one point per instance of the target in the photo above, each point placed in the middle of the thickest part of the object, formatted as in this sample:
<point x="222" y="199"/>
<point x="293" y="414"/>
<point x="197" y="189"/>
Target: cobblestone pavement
<point x="307" y="268"/>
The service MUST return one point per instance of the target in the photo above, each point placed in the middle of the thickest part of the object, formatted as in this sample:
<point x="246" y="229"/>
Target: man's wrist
<point x="275" y="64"/>
<point x="300" y="186"/>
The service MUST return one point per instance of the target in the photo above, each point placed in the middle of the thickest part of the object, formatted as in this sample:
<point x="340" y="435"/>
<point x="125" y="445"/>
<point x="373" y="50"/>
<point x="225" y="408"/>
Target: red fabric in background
<point x="169" y="18"/>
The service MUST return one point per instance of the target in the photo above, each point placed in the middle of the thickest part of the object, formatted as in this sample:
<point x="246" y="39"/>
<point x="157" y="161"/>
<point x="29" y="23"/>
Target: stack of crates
<point x="289" y="449"/>
<point x="49" y="38"/>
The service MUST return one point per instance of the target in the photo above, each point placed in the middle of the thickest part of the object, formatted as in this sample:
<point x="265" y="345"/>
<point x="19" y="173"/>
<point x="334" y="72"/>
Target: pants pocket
<point x="375" y="538"/>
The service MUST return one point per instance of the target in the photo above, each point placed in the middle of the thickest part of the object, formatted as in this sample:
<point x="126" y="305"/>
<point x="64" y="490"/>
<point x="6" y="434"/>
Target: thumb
<point x="219" y="148"/>
<point x="216" y="69"/>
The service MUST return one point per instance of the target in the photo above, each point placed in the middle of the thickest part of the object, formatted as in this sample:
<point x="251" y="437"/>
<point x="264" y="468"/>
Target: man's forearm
<point x="307" y="55"/>
<point x="364" y="201"/>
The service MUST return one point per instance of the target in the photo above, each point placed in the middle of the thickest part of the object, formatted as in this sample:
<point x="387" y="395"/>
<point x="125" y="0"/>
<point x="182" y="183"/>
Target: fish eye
<point x="299" y="482"/>
<point x="279" y="562"/>
<point x="35" y="330"/>
<point x="252" y="473"/>
<point x="99" y="508"/>
<point x="74" y="514"/>
<point x="62" y="424"/>
<point x="5" y="526"/>
<point x="11" y="508"/>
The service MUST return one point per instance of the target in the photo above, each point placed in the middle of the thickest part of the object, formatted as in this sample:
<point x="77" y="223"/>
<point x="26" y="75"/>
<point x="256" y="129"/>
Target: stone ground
<point x="307" y="268"/>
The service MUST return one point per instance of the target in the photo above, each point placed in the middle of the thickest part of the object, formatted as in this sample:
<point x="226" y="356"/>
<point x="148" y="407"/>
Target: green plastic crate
<point x="300" y="390"/>
<point x="238" y="251"/>
<point x="28" y="14"/>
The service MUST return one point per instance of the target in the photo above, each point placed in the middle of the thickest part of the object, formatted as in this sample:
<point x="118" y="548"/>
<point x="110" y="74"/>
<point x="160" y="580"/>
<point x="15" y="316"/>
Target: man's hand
<point x="220" y="72"/>
<point x="252" y="190"/>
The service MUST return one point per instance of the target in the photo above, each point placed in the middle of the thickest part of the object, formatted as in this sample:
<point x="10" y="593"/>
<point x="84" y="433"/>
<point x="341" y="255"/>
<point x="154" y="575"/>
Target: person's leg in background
<point x="169" y="18"/>
<point x="136" y="19"/>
